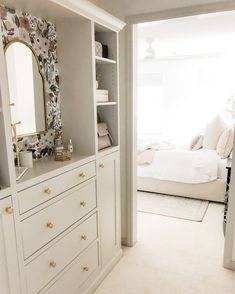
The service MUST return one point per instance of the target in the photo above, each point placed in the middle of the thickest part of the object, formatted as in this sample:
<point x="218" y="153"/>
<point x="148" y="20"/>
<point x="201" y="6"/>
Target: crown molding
<point x="91" y="11"/>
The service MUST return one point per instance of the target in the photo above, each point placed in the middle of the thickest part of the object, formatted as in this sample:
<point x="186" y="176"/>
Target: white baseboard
<point x="124" y="241"/>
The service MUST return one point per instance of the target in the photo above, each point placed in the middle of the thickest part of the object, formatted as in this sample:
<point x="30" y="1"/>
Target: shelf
<point x="105" y="103"/>
<point x="48" y="168"/>
<point x="107" y="151"/>
<point x="102" y="60"/>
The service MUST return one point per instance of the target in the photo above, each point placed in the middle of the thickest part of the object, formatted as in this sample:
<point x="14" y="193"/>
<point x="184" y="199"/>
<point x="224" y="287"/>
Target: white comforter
<point x="185" y="166"/>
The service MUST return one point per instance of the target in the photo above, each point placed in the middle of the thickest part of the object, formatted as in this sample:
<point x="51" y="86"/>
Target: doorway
<point x="133" y="206"/>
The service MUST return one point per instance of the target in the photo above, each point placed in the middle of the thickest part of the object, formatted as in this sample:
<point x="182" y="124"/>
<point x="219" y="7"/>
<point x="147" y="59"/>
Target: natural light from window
<point x="184" y="82"/>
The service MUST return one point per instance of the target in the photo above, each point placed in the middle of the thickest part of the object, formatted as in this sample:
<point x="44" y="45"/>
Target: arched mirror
<point x="26" y="87"/>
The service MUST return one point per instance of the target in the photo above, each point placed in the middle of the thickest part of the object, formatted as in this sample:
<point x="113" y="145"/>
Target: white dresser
<point x="59" y="229"/>
<point x="68" y="228"/>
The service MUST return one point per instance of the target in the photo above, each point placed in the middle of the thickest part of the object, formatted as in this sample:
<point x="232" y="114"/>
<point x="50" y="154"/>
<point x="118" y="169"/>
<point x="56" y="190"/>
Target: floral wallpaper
<point x="41" y="36"/>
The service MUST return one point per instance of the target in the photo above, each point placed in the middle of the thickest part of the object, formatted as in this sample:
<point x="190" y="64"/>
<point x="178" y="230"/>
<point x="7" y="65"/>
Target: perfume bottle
<point x="70" y="146"/>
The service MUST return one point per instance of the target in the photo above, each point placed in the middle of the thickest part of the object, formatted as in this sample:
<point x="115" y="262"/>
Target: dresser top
<point x="46" y="168"/>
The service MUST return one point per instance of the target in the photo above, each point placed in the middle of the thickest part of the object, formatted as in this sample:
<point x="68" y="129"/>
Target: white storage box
<point x="102" y="95"/>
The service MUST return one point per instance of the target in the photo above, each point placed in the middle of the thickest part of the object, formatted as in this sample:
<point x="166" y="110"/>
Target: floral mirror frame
<point x="40" y="34"/>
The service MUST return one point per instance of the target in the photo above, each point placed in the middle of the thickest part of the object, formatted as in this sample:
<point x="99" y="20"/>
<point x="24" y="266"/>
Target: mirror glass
<point x="26" y="89"/>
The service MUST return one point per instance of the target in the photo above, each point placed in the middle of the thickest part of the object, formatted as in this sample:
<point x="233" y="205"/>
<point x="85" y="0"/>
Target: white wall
<point x="122" y="9"/>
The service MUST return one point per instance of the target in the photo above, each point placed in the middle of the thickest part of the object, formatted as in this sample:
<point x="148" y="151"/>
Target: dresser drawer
<point x="40" y="228"/>
<point x="36" y="195"/>
<point x="45" y="267"/>
<point x="81" y="269"/>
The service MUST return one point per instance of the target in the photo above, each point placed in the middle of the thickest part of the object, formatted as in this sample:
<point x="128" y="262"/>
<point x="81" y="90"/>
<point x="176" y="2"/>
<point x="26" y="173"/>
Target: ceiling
<point x="45" y="8"/>
<point x="123" y="8"/>
<point x="209" y="33"/>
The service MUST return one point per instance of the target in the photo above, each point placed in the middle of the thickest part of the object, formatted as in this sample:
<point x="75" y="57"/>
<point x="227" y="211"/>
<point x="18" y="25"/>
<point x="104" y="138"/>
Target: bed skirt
<point x="212" y="191"/>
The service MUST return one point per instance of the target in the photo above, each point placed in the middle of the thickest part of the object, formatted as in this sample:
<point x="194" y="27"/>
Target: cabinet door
<point x="108" y="184"/>
<point x="9" y="282"/>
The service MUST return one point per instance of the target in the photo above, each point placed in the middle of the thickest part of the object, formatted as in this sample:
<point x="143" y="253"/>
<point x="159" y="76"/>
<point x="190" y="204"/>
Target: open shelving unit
<point x="107" y="73"/>
<point x="84" y="112"/>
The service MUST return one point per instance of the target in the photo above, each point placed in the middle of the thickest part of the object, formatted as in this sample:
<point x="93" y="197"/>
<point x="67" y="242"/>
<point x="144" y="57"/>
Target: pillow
<point x="198" y="144"/>
<point x="146" y="157"/>
<point x="213" y="131"/>
<point x="195" y="142"/>
<point x="225" y="143"/>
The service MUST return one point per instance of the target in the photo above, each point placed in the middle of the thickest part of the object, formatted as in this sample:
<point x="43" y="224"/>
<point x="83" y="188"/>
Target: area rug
<point x="172" y="206"/>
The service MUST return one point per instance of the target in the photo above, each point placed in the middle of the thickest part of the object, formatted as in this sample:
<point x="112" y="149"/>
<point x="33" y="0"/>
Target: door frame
<point x="131" y="106"/>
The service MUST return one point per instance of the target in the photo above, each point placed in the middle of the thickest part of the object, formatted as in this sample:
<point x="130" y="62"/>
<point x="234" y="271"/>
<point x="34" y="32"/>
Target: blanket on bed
<point x="183" y="166"/>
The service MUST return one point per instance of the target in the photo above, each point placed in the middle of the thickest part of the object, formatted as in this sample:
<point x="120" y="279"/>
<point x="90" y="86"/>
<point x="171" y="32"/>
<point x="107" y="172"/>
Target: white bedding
<point x="185" y="166"/>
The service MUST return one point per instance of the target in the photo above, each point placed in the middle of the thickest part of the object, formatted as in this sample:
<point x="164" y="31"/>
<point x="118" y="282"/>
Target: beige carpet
<point x="172" y="206"/>
<point x="173" y="257"/>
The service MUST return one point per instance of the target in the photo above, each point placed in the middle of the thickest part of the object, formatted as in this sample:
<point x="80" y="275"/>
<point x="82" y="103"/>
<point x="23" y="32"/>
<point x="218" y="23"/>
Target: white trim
<point x="131" y="120"/>
<point x="91" y="11"/>
<point x="131" y="139"/>
<point x="182" y="12"/>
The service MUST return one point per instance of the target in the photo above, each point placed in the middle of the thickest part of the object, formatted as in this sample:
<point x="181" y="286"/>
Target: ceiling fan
<point x="150" y="51"/>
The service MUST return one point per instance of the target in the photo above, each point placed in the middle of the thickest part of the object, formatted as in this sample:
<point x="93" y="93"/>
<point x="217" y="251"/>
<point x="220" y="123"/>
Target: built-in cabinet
<point x="108" y="181"/>
<point x="60" y="228"/>
<point x="9" y="275"/>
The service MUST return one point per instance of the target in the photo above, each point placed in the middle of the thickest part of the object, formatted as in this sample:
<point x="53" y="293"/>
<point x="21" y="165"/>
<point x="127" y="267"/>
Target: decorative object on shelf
<point x="98" y="49"/>
<point x="58" y="143"/>
<point x="98" y="78"/>
<point x="16" y="145"/>
<point x="62" y="155"/>
<point x="70" y="146"/>
<point x="104" y="138"/>
<point x="41" y="36"/>
<point x="105" y="51"/>
<point x="26" y="159"/>
<point x="102" y="95"/>
<point x="101" y="50"/>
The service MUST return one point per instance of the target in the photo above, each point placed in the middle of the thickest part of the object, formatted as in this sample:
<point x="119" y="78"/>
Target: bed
<point x="196" y="174"/>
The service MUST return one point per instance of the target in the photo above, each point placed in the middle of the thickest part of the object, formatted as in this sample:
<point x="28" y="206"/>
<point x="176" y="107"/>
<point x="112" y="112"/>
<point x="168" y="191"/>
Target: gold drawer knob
<point x="50" y="225"/>
<point x="53" y="264"/>
<point x="84" y="237"/>
<point x="9" y="210"/>
<point x="85" y="268"/>
<point x="48" y="191"/>
<point x="82" y="175"/>
<point x="83" y="203"/>
<point x="101" y="165"/>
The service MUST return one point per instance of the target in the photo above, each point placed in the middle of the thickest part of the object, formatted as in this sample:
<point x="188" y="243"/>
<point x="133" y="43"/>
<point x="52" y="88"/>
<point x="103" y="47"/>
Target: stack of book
<point x="102" y="95"/>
